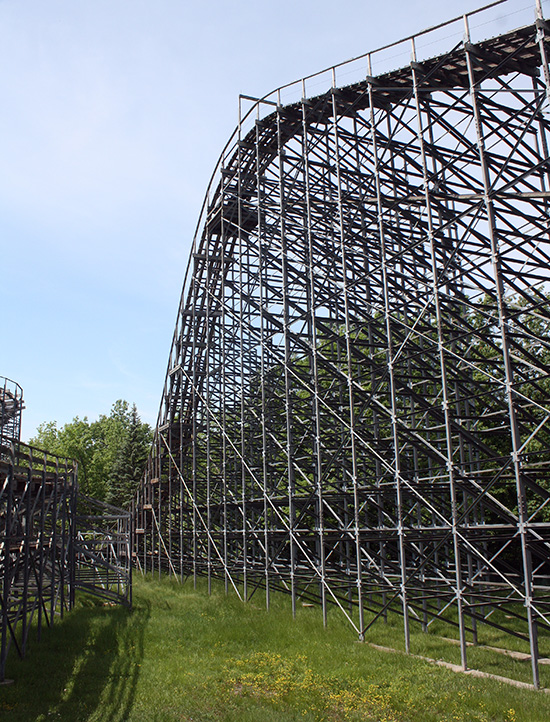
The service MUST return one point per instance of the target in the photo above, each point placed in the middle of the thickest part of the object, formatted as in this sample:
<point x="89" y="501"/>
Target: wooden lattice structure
<point x="356" y="408"/>
<point x="53" y="540"/>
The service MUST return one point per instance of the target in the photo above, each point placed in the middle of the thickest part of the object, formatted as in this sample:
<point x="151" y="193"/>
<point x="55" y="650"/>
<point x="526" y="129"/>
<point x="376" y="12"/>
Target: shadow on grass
<point x="86" y="668"/>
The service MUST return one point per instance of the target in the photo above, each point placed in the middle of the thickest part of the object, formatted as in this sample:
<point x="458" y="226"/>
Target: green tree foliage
<point x="129" y="462"/>
<point x="111" y="452"/>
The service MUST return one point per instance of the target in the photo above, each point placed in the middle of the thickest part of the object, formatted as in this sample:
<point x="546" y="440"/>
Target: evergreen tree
<point x="130" y="461"/>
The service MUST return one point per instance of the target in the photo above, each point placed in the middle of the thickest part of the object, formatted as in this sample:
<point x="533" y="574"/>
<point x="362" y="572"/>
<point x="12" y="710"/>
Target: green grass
<point x="182" y="655"/>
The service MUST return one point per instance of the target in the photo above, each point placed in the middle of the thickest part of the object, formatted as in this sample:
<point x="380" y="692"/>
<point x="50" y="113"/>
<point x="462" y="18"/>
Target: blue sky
<point x="112" y="117"/>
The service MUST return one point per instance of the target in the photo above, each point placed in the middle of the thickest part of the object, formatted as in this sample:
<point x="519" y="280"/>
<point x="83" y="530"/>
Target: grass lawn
<point x="182" y="655"/>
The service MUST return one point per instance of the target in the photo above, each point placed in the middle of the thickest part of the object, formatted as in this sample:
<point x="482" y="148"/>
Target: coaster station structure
<point x="356" y="409"/>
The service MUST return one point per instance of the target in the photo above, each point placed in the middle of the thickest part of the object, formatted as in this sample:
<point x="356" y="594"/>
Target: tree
<point x="73" y="441"/>
<point x="111" y="452"/>
<point x="129" y="464"/>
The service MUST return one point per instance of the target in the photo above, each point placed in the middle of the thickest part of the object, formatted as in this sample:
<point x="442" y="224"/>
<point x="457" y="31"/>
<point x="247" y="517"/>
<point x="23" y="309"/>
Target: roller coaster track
<point x="357" y="403"/>
<point x="53" y="542"/>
